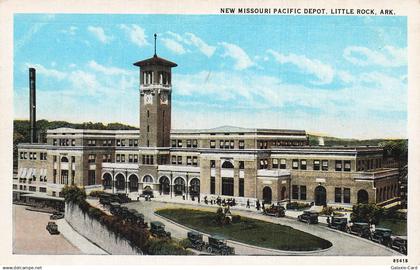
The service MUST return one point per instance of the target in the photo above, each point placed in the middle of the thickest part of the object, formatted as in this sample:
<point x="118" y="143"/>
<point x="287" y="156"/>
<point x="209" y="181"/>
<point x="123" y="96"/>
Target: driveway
<point x="343" y="243"/>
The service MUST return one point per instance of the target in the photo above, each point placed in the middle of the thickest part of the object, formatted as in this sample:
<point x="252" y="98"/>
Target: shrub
<point x="185" y="243"/>
<point x="297" y="206"/>
<point x="327" y="210"/>
<point x="165" y="247"/>
<point x="96" y="193"/>
<point x="236" y="218"/>
<point x="369" y="213"/>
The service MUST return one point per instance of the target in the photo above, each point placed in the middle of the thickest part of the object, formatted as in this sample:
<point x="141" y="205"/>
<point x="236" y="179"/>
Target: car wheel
<point x="209" y="250"/>
<point x="199" y="247"/>
<point x="402" y="250"/>
<point x="224" y="252"/>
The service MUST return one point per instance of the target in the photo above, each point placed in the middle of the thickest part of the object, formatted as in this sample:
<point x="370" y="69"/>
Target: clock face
<point x="148" y="99"/>
<point x="163" y="98"/>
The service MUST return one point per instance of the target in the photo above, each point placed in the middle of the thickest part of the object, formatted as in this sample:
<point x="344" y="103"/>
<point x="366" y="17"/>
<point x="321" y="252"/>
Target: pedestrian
<point x="263" y="207"/>
<point x="247" y="204"/>
<point x="328" y="221"/>
<point x="258" y="205"/>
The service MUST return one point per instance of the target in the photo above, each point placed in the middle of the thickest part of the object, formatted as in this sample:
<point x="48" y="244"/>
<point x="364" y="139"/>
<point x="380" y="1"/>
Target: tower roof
<point x="155" y="60"/>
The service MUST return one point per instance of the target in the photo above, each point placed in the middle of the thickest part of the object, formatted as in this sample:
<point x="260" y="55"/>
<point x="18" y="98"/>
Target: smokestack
<point x="32" y="103"/>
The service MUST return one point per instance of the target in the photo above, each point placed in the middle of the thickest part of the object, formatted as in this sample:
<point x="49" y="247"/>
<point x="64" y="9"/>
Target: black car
<point x="157" y="229"/>
<point x="114" y="208"/>
<point x="309" y="217"/>
<point x="381" y="235"/>
<point x="275" y="210"/>
<point x="217" y="244"/>
<point x="399" y="243"/>
<point x="338" y="223"/>
<point x="105" y="199"/>
<point x="52" y="228"/>
<point x="359" y="228"/>
<point x="196" y="240"/>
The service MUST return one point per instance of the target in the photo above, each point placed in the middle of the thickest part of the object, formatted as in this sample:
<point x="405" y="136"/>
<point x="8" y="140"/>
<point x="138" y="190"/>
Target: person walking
<point x="247" y="204"/>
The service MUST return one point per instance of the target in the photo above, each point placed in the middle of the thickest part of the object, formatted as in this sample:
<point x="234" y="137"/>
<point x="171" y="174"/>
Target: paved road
<point x="343" y="244"/>
<point x="31" y="237"/>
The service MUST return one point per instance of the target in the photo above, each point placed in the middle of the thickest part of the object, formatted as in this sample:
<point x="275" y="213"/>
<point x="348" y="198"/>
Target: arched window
<point x="227" y="165"/>
<point x="64" y="159"/>
<point x="147" y="179"/>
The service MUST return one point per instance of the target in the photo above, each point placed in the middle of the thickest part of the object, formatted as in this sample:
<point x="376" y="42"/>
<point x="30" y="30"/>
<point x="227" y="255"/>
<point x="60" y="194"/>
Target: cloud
<point x="70" y="31"/>
<point x="241" y="58"/>
<point x="173" y="46"/>
<point x="40" y="69"/>
<point x="388" y="56"/>
<point x="107" y="70"/>
<point x="84" y="81"/>
<point x="200" y="44"/>
<point x="324" y="72"/>
<point x="136" y="34"/>
<point x="99" y="33"/>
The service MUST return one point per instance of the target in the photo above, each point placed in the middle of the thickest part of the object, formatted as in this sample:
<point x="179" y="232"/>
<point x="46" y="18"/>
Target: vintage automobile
<point x="57" y="215"/>
<point x="52" y="228"/>
<point x="105" y="199"/>
<point x="157" y="229"/>
<point x="381" y="235"/>
<point x="359" y="228"/>
<point x="399" y="243"/>
<point x="217" y="244"/>
<point x="124" y="213"/>
<point x="275" y="210"/>
<point x="196" y="240"/>
<point x="139" y="220"/>
<point x="338" y="223"/>
<point x="123" y="198"/>
<point x="309" y="217"/>
<point x="115" y="208"/>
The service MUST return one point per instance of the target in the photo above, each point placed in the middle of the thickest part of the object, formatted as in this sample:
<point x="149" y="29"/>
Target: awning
<point x="34" y="172"/>
<point x="23" y="174"/>
<point x="43" y="172"/>
<point x="29" y="174"/>
<point x="19" y="175"/>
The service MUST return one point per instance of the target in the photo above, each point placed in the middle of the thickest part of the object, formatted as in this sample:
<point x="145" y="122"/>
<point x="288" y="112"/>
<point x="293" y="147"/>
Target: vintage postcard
<point x="211" y="133"/>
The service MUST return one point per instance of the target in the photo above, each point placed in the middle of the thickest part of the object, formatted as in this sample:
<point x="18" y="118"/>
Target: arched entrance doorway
<point x="107" y="183"/>
<point x="362" y="196"/>
<point x="283" y="193"/>
<point x="320" y="196"/>
<point x="195" y="187"/>
<point x="179" y="186"/>
<point x="120" y="182"/>
<point x="164" y="187"/>
<point x="134" y="183"/>
<point x="267" y="195"/>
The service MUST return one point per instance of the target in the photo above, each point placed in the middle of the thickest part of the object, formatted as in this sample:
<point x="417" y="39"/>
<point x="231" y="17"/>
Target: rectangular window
<point x="241" y="187"/>
<point x="104" y="143"/>
<point x="122" y="142"/>
<point x="173" y="159"/>
<point x="104" y="158"/>
<point x="188" y="143"/>
<point x="303" y="164"/>
<point x="189" y="160"/>
<point x="92" y="158"/>
<point x="337" y="195"/>
<point x="118" y="142"/>
<point x="212" y="144"/>
<point x="232" y="144"/>
<point x="54" y="141"/>
<point x="347" y="165"/>
<point x="136" y="142"/>
<point x="303" y="192"/>
<point x="317" y="165"/>
<point x="325" y="165"/>
<point x="151" y="160"/>
<point x="179" y="143"/>
<point x="195" y="161"/>
<point x="118" y="158"/>
<point x="54" y="176"/>
<point x="32" y="188"/>
<point x="346" y="193"/>
<point x="91" y="177"/>
<point x="295" y="164"/>
<point x="222" y="144"/>
<point x="42" y="189"/>
<point x="135" y="159"/>
<point x="212" y="185"/>
<point x="227" y="186"/>
<point x="275" y="162"/>
<point x="55" y="158"/>
<point x="338" y="165"/>
<point x="282" y="164"/>
<point x="241" y="164"/>
<point x="109" y="142"/>
<point x="295" y="192"/>
<point x="194" y="143"/>
<point x="212" y="163"/>
<point x="130" y="158"/>
<point x="173" y="143"/>
<point x="241" y="144"/>
<point x="179" y="160"/>
<point x="130" y="142"/>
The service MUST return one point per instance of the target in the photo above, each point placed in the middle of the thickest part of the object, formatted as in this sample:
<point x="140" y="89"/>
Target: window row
<point x="190" y="160"/>
<point x="369" y="164"/>
<point x="147" y="159"/>
<point x="64" y="142"/>
<point x="189" y="143"/>
<point x="65" y="159"/>
<point x="131" y="142"/>
<point x="228" y="186"/>
<point x="317" y="165"/>
<point x="267" y="144"/>
<point x="32" y="155"/>
<point x="342" y="195"/>
<point x="228" y="164"/>
<point x="227" y="144"/>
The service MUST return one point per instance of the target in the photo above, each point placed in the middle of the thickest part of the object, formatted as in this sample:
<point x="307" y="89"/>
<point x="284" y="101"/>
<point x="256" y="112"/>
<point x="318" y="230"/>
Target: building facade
<point x="271" y="165"/>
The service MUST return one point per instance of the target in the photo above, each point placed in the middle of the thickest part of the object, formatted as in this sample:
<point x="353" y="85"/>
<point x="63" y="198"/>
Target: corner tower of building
<point x="155" y="101"/>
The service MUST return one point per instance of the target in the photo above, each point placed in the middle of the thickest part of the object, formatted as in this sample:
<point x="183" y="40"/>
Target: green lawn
<point x="398" y="226"/>
<point x="249" y="231"/>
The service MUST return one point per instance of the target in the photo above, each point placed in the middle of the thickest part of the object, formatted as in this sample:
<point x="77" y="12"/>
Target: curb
<point x="279" y="251"/>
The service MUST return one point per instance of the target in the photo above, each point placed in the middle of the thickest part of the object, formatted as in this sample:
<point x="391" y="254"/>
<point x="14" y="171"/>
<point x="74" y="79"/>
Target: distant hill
<point x="334" y="141"/>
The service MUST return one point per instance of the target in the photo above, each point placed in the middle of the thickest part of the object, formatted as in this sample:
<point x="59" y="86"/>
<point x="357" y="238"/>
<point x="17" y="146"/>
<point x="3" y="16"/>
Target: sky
<point x="339" y="76"/>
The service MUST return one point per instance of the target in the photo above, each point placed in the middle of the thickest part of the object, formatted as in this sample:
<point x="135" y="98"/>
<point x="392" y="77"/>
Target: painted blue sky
<point x="341" y="76"/>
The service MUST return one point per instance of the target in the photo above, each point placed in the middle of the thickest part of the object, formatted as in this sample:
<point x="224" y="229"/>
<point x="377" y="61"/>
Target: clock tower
<point x="155" y="102"/>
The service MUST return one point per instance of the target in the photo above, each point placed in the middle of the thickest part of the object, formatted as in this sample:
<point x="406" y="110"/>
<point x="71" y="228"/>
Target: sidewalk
<point x="78" y="240"/>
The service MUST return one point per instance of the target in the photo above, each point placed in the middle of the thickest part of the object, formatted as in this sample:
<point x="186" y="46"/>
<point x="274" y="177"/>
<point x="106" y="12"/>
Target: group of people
<point x="219" y="201"/>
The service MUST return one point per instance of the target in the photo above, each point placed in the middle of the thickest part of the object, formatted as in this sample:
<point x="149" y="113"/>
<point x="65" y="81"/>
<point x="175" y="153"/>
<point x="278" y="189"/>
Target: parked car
<point x="217" y="244"/>
<point x="381" y="235"/>
<point x="52" y="228"/>
<point x="57" y="215"/>
<point x="399" y="243"/>
<point x="338" y="223"/>
<point x="275" y="210"/>
<point x="124" y="213"/>
<point x="359" y="228"/>
<point x="114" y="208"/>
<point x="157" y="229"/>
<point x="123" y="198"/>
<point x="139" y="220"/>
<point x="196" y="240"/>
<point x="309" y="217"/>
<point x="105" y="199"/>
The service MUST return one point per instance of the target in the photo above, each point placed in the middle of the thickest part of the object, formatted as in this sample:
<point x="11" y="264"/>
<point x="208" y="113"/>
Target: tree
<point x="369" y="213"/>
